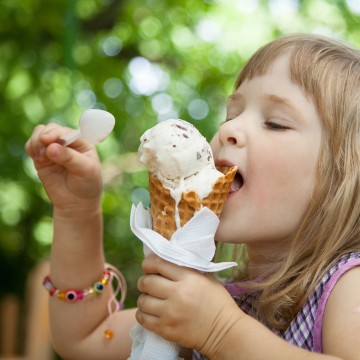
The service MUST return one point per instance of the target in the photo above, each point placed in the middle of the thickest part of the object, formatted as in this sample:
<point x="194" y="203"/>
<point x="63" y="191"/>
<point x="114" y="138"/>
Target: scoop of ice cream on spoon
<point x="94" y="125"/>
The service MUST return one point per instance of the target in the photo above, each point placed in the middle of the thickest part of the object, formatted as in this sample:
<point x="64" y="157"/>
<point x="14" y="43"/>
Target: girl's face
<point x="273" y="134"/>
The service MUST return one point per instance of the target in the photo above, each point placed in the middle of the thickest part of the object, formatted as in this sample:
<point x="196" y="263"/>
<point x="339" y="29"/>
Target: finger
<point x="75" y="162"/>
<point x="157" y="325"/>
<point x="155" y="285"/>
<point x="148" y="321"/>
<point x="52" y="133"/>
<point x="153" y="264"/>
<point x="150" y="305"/>
<point x="41" y="137"/>
<point x="33" y="144"/>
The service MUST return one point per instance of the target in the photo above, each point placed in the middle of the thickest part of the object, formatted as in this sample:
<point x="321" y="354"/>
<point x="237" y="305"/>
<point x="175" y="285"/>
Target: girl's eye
<point x="275" y="126"/>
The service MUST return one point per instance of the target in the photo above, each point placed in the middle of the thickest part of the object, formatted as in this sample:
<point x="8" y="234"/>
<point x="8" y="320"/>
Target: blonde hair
<point x="328" y="71"/>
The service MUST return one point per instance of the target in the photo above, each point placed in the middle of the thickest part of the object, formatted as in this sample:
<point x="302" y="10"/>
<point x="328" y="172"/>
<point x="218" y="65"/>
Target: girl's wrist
<point x="78" y="227"/>
<point x="78" y="211"/>
<point x="217" y="344"/>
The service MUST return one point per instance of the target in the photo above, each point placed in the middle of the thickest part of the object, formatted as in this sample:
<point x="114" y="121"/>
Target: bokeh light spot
<point x="112" y="45"/>
<point x="146" y="77"/>
<point x="354" y="6"/>
<point x="43" y="231"/>
<point x="247" y="6"/>
<point x="162" y="103"/>
<point x="113" y="87"/>
<point x="150" y="27"/>
<point x="284" y="7"/>
<point x="198" y="109"/>
<point x="208" y="30"/>
<point x="182" y="37"/>
<point x="86" y="99"/>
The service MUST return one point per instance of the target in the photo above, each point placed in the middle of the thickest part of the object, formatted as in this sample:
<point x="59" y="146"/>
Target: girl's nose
<point x="229" y="134"/>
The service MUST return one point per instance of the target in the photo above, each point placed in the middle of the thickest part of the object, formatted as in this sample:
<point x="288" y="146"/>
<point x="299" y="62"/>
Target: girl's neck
<point x="264" y="260"/>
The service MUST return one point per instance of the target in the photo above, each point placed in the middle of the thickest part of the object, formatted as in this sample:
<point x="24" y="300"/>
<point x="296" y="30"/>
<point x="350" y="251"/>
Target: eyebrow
<point x="287" y="103"/>
<point x="270" y="97"/>
<point x="273" y="98"/>
<point x="280" y="100"/>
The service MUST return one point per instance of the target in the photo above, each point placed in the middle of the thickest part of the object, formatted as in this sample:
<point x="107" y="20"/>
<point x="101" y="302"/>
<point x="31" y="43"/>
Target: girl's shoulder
<point x="306" y="329"/>
<point x="342" y="265"/>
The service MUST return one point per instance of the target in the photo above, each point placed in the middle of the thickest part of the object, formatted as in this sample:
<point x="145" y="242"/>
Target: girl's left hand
<point x="184" y="306"/>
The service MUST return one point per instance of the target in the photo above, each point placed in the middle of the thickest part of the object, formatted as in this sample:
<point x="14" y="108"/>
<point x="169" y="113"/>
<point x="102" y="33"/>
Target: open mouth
<point x="237" y="183"/>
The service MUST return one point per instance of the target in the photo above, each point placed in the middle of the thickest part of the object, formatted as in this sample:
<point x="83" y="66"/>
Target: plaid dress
<point x="305" y="330"/>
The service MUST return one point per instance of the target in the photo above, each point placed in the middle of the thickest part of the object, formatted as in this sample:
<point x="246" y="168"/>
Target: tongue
<point x="237" y="183"/>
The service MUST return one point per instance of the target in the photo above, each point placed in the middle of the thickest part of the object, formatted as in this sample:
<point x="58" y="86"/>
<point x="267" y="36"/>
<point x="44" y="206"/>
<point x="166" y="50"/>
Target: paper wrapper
<point x="192" y="246"/>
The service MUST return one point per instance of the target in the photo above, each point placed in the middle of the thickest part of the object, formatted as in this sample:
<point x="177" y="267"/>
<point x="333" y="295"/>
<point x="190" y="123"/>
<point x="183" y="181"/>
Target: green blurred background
<point x="142" y="60"/>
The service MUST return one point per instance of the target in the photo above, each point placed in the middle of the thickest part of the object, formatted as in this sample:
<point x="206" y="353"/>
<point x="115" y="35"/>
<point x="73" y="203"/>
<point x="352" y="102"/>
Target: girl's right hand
<point x="71" y="175"/>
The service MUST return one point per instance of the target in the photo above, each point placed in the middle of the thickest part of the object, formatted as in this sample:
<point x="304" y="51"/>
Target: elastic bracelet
<point x="110" y="274"/>
<point x="72" y="295"/>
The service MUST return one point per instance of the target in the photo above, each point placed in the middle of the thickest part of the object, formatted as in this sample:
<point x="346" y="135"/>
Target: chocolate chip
<point x="181" y="127"/>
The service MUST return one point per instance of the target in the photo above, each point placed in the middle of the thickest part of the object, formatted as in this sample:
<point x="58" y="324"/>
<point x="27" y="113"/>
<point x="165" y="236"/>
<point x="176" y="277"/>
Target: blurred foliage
<point x="142" y="60"/>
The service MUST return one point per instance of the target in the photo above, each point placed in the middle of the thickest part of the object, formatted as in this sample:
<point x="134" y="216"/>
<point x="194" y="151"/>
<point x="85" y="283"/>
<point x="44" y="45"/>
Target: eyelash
<point x="270" y="125"/>
<point x="275" y="126"/>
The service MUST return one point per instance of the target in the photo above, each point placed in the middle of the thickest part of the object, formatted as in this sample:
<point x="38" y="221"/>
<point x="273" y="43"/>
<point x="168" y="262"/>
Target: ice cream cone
<point x="163" y="206"/>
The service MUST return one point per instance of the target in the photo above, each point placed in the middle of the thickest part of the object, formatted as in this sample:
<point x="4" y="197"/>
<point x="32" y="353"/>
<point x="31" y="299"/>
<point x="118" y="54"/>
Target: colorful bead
<point x="52" y="291"/>
<point x="90" y="290"/>
<point x="108" y="334"/>
<point x="106" y="278"/>
<point x="99" y="287"/>
<point x="61" y="295"/>
<point x="71" y="296"/>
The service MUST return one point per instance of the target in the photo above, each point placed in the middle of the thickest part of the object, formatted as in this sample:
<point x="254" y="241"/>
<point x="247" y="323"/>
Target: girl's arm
<point x="77" y="261"/>
<point x="341" y="323"/>
<point x="196" y="311"/>
<point x="72" y="179"/>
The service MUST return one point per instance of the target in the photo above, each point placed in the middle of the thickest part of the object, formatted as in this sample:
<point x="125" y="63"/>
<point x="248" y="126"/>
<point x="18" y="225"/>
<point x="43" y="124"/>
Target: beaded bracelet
<point x="72" y="295"/>
<point x="110" y="274"/>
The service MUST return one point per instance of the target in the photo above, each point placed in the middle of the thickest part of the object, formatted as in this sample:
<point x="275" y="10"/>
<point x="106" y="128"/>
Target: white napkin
<point x="192" y="246"/>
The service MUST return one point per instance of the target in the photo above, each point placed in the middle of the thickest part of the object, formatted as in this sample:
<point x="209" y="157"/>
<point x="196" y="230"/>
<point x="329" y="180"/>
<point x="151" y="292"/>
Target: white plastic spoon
<point x="94" y="125"/>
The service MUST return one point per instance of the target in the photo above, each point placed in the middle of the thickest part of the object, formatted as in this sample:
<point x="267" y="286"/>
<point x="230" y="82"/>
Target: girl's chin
<point x="223" y="234"/>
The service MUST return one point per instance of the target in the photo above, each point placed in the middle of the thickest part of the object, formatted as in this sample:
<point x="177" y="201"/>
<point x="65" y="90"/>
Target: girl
<point x="293" y="130"/>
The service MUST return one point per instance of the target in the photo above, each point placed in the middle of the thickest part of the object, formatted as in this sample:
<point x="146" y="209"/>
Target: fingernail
<point x="53" y="152"/>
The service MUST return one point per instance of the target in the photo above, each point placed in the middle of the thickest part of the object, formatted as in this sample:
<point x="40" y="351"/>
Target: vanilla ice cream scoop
<point x="174" y="149"/>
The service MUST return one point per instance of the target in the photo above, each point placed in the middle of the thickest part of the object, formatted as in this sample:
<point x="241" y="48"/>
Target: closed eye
<point x="275" y="126"/>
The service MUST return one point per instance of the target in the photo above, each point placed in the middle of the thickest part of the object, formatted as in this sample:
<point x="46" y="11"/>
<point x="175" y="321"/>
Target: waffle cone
<point x="163" y="205"/>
